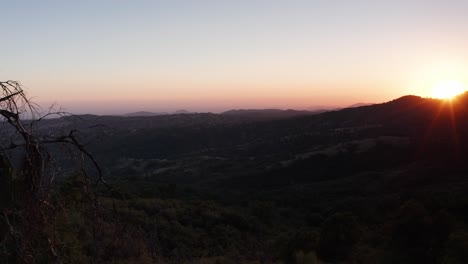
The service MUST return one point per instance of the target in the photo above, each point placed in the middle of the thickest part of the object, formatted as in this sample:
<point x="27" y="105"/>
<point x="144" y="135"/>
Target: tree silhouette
<point x="28" y="158"/>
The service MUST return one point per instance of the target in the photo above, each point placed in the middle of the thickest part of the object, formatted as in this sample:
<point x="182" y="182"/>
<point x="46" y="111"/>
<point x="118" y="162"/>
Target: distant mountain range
<point x="269" y="114"/>
<point x="146" y="113"/>
<point x="358" y="105"/>
<point x="330" y="108"/>
<point x="396" y="171"/>
<point x="408" y="116"/>
<point x="254" y="113"/>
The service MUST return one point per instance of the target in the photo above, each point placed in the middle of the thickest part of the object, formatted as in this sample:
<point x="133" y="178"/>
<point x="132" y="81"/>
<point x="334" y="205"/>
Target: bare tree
<point x="27" y="175"/>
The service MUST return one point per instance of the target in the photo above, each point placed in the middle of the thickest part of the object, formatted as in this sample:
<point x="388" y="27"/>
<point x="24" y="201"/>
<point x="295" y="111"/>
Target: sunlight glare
<point x="447" y="89"/>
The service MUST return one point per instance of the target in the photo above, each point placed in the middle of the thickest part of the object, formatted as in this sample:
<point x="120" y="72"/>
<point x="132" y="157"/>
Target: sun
<point x="447" y="89"/>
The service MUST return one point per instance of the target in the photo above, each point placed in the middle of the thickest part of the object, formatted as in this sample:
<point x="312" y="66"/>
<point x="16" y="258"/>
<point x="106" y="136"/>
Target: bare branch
<point x="35" y="172"/>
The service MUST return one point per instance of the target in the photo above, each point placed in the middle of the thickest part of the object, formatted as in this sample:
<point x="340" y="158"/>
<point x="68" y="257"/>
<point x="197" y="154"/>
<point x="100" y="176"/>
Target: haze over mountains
<point x="146" y="113"/>
<point x="261" y="113"/>
<point x="408" y="117"/>
<point x="357" y="167"/>
<point x="234" y="132"/>
<point x="284" y="185"/>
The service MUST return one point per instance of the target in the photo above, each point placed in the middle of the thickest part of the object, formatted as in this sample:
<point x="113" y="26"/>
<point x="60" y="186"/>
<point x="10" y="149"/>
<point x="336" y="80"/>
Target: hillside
<point x="269" y="114"/>
<point x="253" y="188"/>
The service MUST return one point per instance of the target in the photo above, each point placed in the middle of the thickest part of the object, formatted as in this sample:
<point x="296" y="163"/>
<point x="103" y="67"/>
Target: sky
<point x="116" y="56"/>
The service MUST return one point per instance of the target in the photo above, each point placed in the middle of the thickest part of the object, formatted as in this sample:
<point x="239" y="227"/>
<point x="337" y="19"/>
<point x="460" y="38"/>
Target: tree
<point x="338" y="236"/>
<point x="28" y="157"/>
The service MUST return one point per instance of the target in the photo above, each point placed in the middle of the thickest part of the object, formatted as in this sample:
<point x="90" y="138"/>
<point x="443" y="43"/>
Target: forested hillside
<point x="383" y="183"/>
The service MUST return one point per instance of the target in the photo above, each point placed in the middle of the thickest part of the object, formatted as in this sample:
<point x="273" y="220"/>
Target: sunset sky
<point x="111" y="56"/>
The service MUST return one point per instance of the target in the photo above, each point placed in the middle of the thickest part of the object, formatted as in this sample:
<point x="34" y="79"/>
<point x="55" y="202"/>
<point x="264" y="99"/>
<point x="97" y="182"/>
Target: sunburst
<point x="447" y="89"/>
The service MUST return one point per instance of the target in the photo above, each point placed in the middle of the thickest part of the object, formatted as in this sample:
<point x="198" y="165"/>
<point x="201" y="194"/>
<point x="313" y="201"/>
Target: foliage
<point x="30" y="203"/>
<point x="361" y="185"/>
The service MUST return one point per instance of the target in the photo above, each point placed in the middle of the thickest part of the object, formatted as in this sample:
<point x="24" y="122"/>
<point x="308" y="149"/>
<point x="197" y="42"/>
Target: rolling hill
<point x="382" y="183"/>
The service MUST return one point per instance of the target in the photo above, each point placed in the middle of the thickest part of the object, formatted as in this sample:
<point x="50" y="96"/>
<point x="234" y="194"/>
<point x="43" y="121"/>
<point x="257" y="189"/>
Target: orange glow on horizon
<point x="448" y="89"/>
